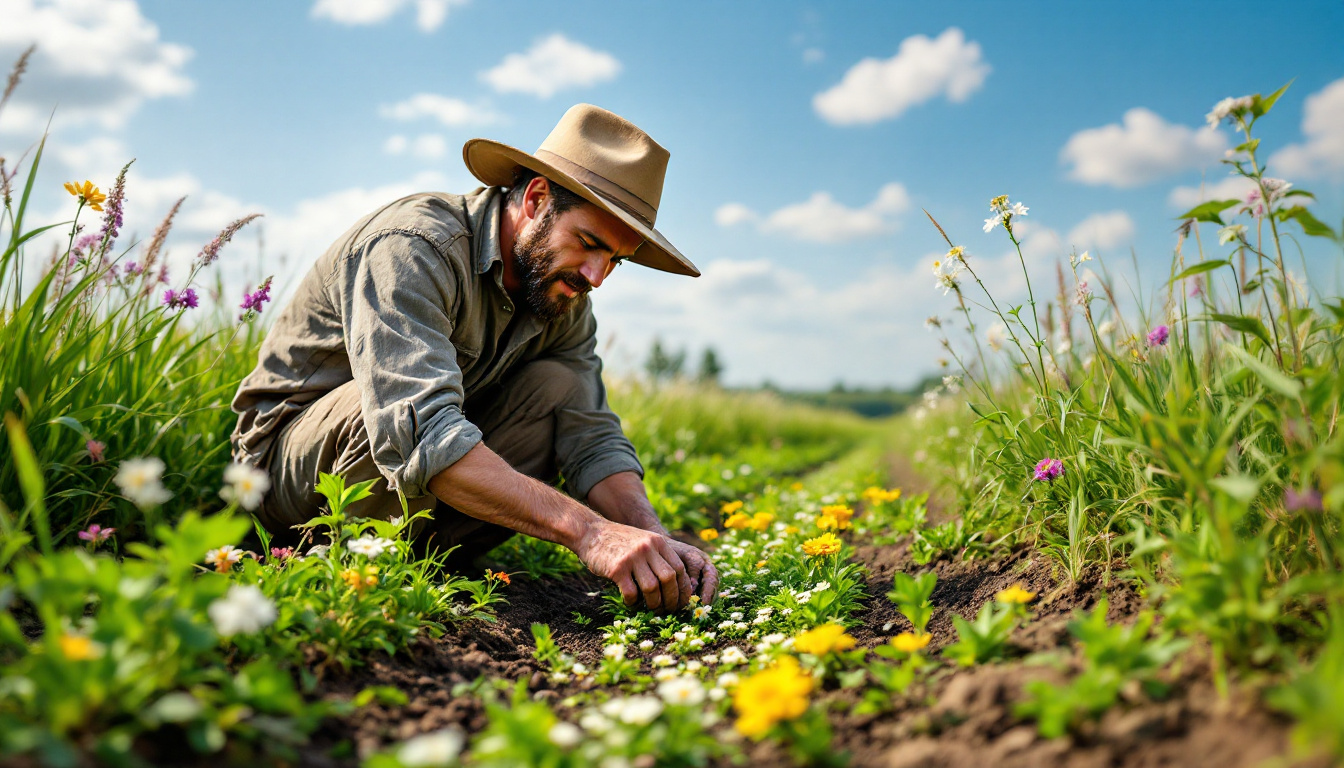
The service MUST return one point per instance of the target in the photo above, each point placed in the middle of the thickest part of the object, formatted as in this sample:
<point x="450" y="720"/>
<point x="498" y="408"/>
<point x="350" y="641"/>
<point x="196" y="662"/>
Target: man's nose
<point x="594" y="270"/>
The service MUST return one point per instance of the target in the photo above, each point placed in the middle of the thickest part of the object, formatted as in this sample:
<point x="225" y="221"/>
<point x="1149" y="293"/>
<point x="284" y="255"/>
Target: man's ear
<point x="535" y="196"/>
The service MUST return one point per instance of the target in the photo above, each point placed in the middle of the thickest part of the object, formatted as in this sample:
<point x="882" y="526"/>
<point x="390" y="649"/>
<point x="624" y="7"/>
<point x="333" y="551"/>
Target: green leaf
<point x="1310" y="224"/>
<point x="1243" y="488"/>
<point x="1243" y="324"/>
<point x="1264" y="104"/>
<point x="1270" y="377"/>
<point x="1200" y="268"/>
<point x="1209" y="211"/>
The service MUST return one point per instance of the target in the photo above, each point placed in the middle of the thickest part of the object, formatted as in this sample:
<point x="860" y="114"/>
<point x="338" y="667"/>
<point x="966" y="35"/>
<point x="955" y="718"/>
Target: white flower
<point x="750" y="587"/>
<point x="710" y="658"/>
<point x="735" y="615"/>
<point x="665" y="674"/>
<point x="1228" y="106"/>
<point x="821" y="586"/>
<point x="579" y="668"/>
<point x="682" y="691"/>
<point x="776" y="583"/>
<point x="722" y="625"/>
<point x="732" y="655"/>
<point x="244" y="485"/>
<point x="727" y="474"/>
<point x="565" y="735"/>
<point x="242" y="610"/>
<point x="740" y="626"/>
<point x="993" y="222"/>
<point x="594" y="722"/>
<point x="803" y="597"/>
<point x="645" y="645"/>
<point x="745" y="469"/>
<point x="717" y="694"/>
<point x="728" y="680"/>
<point x="701" y="611"/>
<point x="369" y="546"/>
<point x="701" y="489"/>
<point x="1018" y="209"/>
<point x="614" y="652"/>
<point x="439" y="748"/>
<point x="761" y="619"/>
<point x="640" y="710"/>
<point x="997" y="336"/>
<point x="766" y="611"/>
<point x="1231" y="232"/>
<point x="663" y="660"/>
<point x="141" y="481"/>
<point x="694" y="666"/>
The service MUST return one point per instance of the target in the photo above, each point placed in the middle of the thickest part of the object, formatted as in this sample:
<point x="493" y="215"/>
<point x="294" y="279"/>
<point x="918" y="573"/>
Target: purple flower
<point x="253" y="302"/>
<point x="132" y="269"/>
<point x="96" y="534"/>
<point x="112" y="213"/>
<point x="185" y="298"/>
<point x="1158" y="336"/>
<point x="211" y="251"/>
<point x="1304" y="501"/>
<point x="1049" y="470"/>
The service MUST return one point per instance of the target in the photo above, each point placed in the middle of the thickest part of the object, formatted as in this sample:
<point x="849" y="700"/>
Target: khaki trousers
<point x="518" y="421"/>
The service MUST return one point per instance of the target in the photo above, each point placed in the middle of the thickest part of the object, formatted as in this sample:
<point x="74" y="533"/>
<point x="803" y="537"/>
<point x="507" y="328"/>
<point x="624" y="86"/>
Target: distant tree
<point x="838" y="387"/>
<point x="661" y="365"/>
<point x="710" y="367"/>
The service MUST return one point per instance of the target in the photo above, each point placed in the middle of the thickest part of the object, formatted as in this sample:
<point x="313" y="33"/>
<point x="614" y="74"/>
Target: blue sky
<point x="798" y="171"/>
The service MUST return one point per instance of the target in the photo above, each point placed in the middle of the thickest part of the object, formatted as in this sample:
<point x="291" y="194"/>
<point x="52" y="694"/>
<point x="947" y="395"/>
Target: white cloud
<point x="1143" y="149"/>
<point x="448" y="111"/>
<point x="426" y="146"/>
<point x="552" y="64"/>
<point x="1102" y="231"/>
<point x="921" y="70"/>
<point x="429" y="14"/>
<point x="96" y="62"/>
<point x="1322" y="154"/>
<point x="1229" y="188"/>
<point x="821" y="219"/>
<point x="396" y="144"/>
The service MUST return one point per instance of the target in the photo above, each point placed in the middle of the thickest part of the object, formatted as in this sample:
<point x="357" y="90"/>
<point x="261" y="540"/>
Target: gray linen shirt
<point x="410" y="303"/>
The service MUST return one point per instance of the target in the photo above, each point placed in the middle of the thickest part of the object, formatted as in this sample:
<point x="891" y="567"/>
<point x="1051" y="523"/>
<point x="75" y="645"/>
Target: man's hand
<point x="640" y="562"/>
<point x="704" y="576"/>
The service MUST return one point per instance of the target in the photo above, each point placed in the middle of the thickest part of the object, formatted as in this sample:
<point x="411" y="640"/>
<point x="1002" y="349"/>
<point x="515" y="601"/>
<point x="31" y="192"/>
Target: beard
<point x="533" y="261"/>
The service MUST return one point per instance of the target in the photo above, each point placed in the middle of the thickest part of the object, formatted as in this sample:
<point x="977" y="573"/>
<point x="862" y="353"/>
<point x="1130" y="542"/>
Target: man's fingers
<point x="673" y="557"/>
<point x="650" y="585"/>
<point x="709" y="583"/>
<point x="667" y="581"/>
<point x="629" y="592"/>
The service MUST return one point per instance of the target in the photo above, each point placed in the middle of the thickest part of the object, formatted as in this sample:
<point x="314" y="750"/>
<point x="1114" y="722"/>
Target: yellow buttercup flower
<point x="360" y="579"/>
<point x="796" y="487"/>
<point x="825" y="544"/>
<point x="760" y="521"/>
<point x="79" y="647"/>
<point x="87" y="193"/>
<point x="737" y="521"/>
<point x="790" y="529"/>
<point x="908" y="642"/>
<point x="824" y="639"/>
<point x="729" y="507"/>
<point x="709" y="534"/>
<point x="771" y="695"/>
<point x="1015" y="595"/>
<point x="876" y="495"/>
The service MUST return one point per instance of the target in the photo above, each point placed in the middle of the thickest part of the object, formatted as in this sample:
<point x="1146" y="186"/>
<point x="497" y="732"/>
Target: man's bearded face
<point x="534" y="259"/>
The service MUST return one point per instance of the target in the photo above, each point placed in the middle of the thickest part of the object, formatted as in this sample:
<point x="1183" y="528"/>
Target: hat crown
<point x="613" y="149"/>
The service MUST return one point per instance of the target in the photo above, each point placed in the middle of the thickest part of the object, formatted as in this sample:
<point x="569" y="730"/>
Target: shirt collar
<point x="484" y="216"/>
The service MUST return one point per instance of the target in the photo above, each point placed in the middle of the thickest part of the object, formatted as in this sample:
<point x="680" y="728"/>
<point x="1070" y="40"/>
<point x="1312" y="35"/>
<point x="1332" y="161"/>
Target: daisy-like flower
<point x="243" y="610"/>
<point x="87" y="193"/>
<point x="701" y="611"/>
<point x="737" y="521"/>
<point x="614" y="652"/>
<point x="1229" y="107"/>
<point x="224" y="558"/>
<point x="141" y="481"/>
<point x="732" y="656"/>
<point x="370" y="546"/>
<point x="1015" y="595"/>
<point x="908" y="642"/>
<point x="767" y="697"/>
<point x="244" y="486"/>
<point x="639" y="710"/>
<point x="997" y="336"/>
<point x="564" y="735"/>
<point x="701" y="489"/>
<point x="432" y="750"/>
<point x="709" y="534"/>
<point x="826" y="544"/>
<point x="824" y="639"/>
<point x="683" y="691"/>
<point x="663" y="660"/>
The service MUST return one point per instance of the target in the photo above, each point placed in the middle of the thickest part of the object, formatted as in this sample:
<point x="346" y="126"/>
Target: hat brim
<point x="494" y="163"/>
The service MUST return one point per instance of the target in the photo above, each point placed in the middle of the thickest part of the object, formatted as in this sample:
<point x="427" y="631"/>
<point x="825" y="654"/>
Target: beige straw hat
<point x="603" y="158"/>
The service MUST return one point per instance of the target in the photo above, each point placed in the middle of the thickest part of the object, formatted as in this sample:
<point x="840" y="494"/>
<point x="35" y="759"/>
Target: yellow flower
<point x="876" y="495"/>
<point x="909" y="643"/>
<point x="709" y="534"/>
<point x="760" y="521"/>
<point x="835" y="516"/>
<point x="1015" y="595"/>
<point x="761" y="563"/>
<point x="824" y="639"/>
<point x="825" y="544"/>
<point x="729" y="507"/>
<point x="790" y="529"/>
<point x="88" y="193"/>
<point x="737" y="521"/>
<point x="360" y="579"/>
<point x="79" y="647"/>
<point x="796" y="487"/>
<point x="771" y="695"/>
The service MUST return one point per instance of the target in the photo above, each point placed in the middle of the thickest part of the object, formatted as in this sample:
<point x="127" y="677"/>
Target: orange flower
<point x="499" y="575"/>
<point x="360" y="579"/>
<point x="709" y="534"/>
<point x="87" y="193"/>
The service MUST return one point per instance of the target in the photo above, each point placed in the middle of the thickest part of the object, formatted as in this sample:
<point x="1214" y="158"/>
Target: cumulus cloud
<point x="1321" y="155"/>
<point x="1141" y="149"/>
<point x="552" y="64"/>
<point x="448" y="111"/>
<point x="922" y="69"/>
<point x="429" y="14"/>
<point x="1103" y="231"/>
<point x="821" y="219"/>
<point x="96" y="62"/>
<point x="1229" y="188"/>
<point x="426" y="146"/>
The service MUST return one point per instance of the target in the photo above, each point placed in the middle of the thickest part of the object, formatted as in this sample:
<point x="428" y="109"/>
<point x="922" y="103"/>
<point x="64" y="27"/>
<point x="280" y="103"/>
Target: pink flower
<point x="95" y="449"/>
<point x="1049" y="470"/>
<point x="96" y="534"/>
<point x="282" y="553"/>
<point x="1158" y="336"/>
<point x="1303" y="501"/>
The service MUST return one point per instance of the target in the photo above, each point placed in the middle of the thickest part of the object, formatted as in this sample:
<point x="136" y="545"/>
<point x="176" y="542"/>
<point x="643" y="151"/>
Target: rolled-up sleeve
<point x="395" y="291"/>
<point x="589" y="443"/>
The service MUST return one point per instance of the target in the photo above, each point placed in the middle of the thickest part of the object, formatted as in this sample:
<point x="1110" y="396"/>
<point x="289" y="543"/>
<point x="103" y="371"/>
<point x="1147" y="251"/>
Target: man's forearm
<point x="621" y="498"/>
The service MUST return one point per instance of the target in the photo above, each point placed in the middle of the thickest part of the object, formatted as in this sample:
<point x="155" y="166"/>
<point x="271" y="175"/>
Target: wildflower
<point x="744" y="470"/>
<point x="947" y="271"/>
<point x="224" y="558"/>
<point x="835" y="516"/>
<point x="1048" y="470"/>
<point x="729" y="507"/>
<point x="727" y="474"/>
<point x="1075" y="260"/>
<point x="141" y="481"/>
<point x="737" y="521"/>
<point x="825" y="544"/>
<point x="1231" y="232"/>
<point x="790" y="529"/>
<point x="1158" y="336"/>
<point x="1303" y="501"/>
<point x="820" y="586"/>
<point x="731" y="656"/>
<point x="499" y="576"/>
<point x="1015" y="595"/>
<point x="564" y="735"/>
<point x="184" y="299"/>
<point x="682" y="691"/>
<point x="645" y="645"/>
<point x="997" y="336"/>
<point x="824" y="639"/>
<point x="760" y="521"/>
<point x="242" y="610"/>
<point x="907" y="642"/>
<point x="87" y="194"/>
<point x="211" y="251"/>
<point x="244" y="485"/>
<point x="282" y="553"/>
<point x="663" y="660"/>
<point x="957" y="253"/>
<point x="96" y="534"/>
<point x="709" y="534"/>
<point x="1082" y="294"/>
<point x="253" y="302"/>
<point x="95" y="449"/>
<point x="360" y="579"/>
<point x="614" y="652"/>
<point x="79" y="647"/>
<point x="373" y="546"/>
<point x="1229" y="107"/>
<point x="431" y="750"/>
<point x="767" y="697"/>
<point x="876" y="495"/>
<point x="795" y="486"/>
<point x="701" y="489"/>
<point x="701" y="611"/>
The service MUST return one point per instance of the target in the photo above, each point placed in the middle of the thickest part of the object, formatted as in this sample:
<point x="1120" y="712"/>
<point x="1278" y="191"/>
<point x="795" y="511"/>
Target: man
<point x="445" y="346"/>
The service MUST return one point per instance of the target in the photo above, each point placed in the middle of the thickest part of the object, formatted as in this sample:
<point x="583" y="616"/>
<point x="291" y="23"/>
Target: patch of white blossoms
<point x="242" y="610"/>
<point x="369" y="546"/>
<point x="141" y="481"/>
<point x="244" y="486"/>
